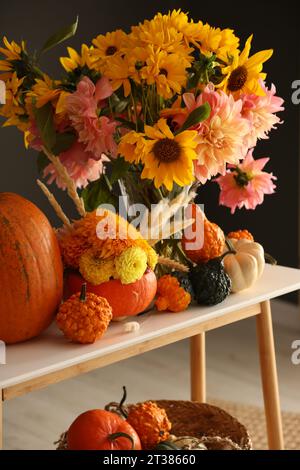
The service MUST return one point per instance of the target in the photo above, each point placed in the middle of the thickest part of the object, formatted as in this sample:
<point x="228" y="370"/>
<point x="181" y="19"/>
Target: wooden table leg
<point x="1" y="420"/>
<point x="269" y="377"/>
<point x="198" y="369"/>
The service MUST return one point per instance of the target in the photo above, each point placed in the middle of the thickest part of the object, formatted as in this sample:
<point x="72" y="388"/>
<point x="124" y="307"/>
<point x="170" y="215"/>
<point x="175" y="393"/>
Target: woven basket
<point x="215" y="428"/>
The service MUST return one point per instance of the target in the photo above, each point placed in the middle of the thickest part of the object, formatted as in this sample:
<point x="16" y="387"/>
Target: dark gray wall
<point x="274" y="24"/>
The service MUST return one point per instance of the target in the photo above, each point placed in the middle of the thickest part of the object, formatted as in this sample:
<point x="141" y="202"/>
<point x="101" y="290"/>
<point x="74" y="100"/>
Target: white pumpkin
<point x="246" y="266"/>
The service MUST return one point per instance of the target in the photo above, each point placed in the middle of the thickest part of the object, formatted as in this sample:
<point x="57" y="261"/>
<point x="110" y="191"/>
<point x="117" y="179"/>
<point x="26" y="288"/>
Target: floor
<point x="36" y="420"/>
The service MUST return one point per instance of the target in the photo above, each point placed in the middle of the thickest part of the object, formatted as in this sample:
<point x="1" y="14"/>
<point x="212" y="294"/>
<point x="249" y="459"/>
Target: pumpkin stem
<point x="83" y="292"/>
<point x="116" y="435"/>
<point x="230" y="247"/>
<point x="123" y="399"/>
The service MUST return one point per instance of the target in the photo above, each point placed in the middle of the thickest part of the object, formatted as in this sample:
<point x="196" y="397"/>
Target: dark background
<point x="275" y="223"/>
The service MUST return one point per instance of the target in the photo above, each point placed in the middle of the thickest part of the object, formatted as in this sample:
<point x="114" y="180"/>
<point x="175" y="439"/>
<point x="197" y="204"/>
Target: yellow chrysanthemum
<point x="157" y="33"/>
<point x="117" y="71"/>
<point x="44" y="90"/>
<point x="75" y="60"/>
<point x="169" y="158"/>
<point x="94" y="269"/>
<point x="179" y="20"/>
<point x="131" y="265"/>
<point x="221" y="42"/>
<point x="243" y="73"/>
<point x="12" y="52"/>
<point x="152" y="256"/>
<point x="108" y="46"/>
<point x="132" y="146"/>
<point x="167" y="71"/>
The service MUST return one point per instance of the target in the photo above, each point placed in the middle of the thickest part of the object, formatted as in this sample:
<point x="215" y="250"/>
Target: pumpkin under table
<point x="49" y="358"/>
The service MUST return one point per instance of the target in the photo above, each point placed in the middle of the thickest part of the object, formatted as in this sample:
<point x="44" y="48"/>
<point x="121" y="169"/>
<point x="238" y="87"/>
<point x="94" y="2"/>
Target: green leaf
<point x="119" y="167"/>
<point x="45" y="124"/>
<point x="63" y="142"/>
<point x="125" y="123"/>
<point x="42" y="162"/>
<point x="60" y="36"/>
<point x="198" y="115"/>
<point x="97" y="193"/>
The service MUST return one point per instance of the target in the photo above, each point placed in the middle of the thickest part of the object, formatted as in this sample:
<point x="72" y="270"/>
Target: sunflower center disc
<point x="237" y="79"/>
<point x="166" y="150"/>
<point x="111" y="50"/>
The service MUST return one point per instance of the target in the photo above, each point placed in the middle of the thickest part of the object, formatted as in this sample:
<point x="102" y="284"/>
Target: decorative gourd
<point x="31" y="271"/>
<point x="124" y="299"/>
<point x="213" y="238"/>
<point x="84" y="317"/>
<point x="102" y="430"/>
<point x="150" y="422"/>
<point x="210" y="282"/>
<point x="170" y="295"/>
<point x="239" y="234"/>
<point x="246" y="266"/>
<point x="166" y="445"/>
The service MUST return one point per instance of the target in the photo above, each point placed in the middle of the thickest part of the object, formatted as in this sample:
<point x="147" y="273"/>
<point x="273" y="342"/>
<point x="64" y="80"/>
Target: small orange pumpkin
<point x="124" y="299"/>
<point x="31" y="270"/>
<point x="101" y="430"/>
<point x="84" y="318"/>
<point x="211" y="242"/>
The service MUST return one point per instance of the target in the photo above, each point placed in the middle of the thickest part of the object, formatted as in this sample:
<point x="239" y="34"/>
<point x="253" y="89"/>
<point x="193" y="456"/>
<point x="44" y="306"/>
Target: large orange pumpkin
<point x="102" y="430"/>
<point x="31" y="271"/>
<point x="124" y="299"/>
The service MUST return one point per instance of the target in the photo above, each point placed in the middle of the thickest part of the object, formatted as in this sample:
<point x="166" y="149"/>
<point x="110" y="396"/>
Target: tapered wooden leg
<point x="198" y="369"/>
<point x="1" y="420"/>
<point x="269" y="377"/>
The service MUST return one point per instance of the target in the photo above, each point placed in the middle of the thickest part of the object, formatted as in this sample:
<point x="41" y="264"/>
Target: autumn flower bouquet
<point x="151" y="114"/>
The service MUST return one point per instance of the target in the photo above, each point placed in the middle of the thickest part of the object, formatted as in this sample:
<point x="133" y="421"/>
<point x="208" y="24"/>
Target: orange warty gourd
<point x="102" y="430"/>
<point x="84" y="317"/>
<point x="150" y="422"/>
<point x="240" y="234"/>
<point x="31" y="270"/>
<point x="211" y="238"/>
<point x="124" y="299"/>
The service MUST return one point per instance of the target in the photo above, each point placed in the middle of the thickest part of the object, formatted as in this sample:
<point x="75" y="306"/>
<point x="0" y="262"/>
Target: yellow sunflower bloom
<point x="44" y="90"/>
<point x="12" y="109"/>
<point x="108" y="46"/>
<point x="117" y="71"/>
<point x="168" y="158"/>
<point x="12" y="52"/>
<point x="243" y="74"/>
<point x="132" y="146"/>
<point x="179" y="20"/>
<point x="76" y="60"/>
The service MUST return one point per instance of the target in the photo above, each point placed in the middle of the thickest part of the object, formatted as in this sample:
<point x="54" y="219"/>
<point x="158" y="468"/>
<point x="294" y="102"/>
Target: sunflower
<point x="131" y="146"/>
<point x="117" y="70"/>
<point x="169" y="158"/>
<point x="167" y="71"/>
<point x="243" y="74"/>
<point x="13" y="55"/>
<point x="77" y="61"/>
<point x="13" y="110"/>
<point x="108" y="46"/>
<point x="44" y="90"/>
<point x="179" y="20"/>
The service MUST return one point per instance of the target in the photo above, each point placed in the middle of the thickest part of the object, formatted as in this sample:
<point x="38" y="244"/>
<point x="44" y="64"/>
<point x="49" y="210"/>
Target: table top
<point x="50" y="352"/>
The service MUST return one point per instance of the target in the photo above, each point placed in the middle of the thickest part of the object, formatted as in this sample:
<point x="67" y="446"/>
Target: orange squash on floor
<point x="31" y="271"/>
<point x="124" y="299"/>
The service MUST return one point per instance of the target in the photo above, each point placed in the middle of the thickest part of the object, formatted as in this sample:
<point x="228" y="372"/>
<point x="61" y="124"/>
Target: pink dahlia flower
<point x="80" y="164"/>
<point x="260" y="112"/>
<point x="97" y="134"/>
<point x="221" y="137"/>
<point x="246" y="184"/>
